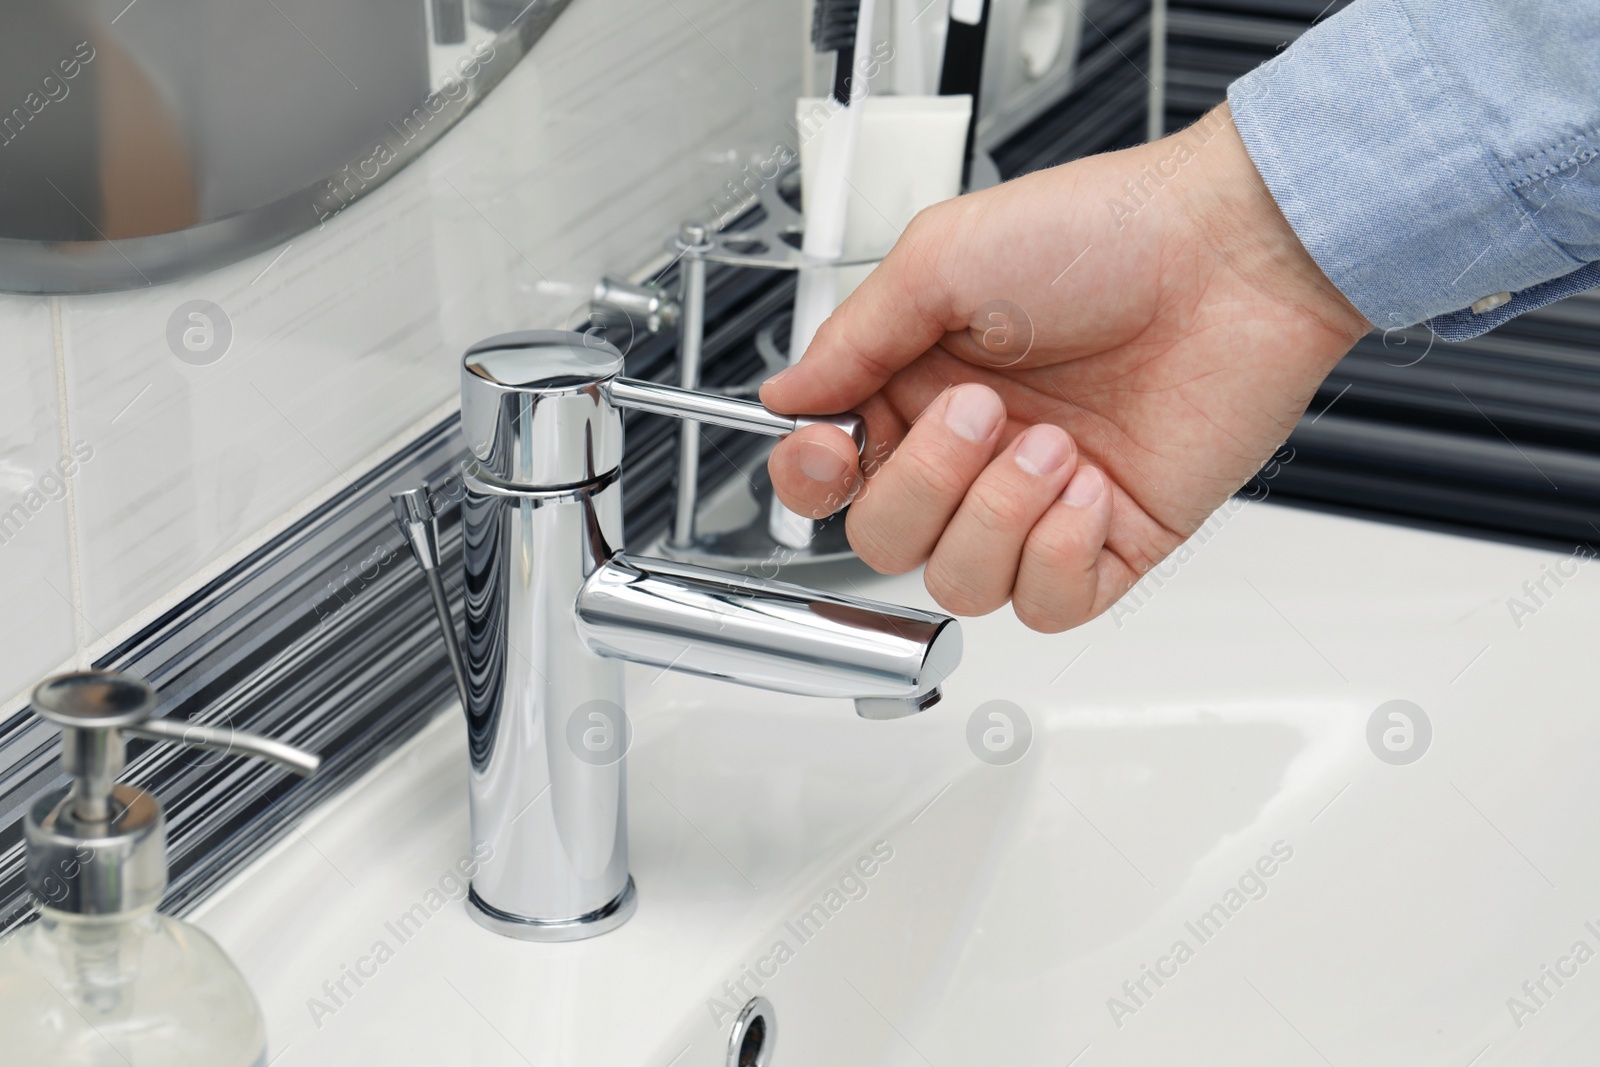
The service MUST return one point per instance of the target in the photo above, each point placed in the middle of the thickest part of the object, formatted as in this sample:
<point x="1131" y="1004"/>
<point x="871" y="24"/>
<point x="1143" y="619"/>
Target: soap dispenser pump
<point x="102" y="978"/>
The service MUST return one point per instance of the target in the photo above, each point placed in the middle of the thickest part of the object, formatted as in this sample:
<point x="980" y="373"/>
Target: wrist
<point x="1232" y="210"/>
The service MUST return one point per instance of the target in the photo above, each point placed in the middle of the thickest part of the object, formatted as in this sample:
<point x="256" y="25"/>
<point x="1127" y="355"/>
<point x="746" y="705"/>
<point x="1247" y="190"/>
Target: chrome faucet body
<point x="554" y="607"/>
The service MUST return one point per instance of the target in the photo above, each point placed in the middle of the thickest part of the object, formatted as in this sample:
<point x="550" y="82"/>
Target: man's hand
<point x="1059" y="390"/>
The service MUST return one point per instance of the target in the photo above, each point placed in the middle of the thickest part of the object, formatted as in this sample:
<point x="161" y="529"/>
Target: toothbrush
<point x="834" y="28"/>
<point x="837" y="26"/>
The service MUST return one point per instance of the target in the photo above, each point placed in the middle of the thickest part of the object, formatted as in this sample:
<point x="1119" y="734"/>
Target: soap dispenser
<point x="102" y="978"/>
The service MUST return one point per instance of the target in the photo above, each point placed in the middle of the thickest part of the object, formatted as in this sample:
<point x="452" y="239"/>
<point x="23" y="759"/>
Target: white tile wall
<point x="36" y="588"/>
<point x="626" y="118"/>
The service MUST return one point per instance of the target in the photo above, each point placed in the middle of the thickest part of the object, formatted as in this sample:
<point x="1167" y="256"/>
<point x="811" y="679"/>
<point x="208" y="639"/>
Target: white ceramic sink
<point x="1218" y="731"/>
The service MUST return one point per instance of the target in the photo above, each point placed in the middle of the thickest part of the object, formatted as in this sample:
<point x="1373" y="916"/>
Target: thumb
<point x="900" y="311"/>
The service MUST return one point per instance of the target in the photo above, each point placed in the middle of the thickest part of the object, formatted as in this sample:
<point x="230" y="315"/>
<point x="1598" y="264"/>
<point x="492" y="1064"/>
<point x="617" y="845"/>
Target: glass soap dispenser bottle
<point x="102" y="978"/>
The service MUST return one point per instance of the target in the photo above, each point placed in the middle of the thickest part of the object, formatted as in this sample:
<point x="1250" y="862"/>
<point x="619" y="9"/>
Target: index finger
<point x="900" y="311"/>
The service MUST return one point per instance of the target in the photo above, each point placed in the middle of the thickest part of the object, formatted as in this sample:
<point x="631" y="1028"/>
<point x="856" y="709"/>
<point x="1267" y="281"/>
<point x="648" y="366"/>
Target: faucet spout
<point x="769" y="635"/>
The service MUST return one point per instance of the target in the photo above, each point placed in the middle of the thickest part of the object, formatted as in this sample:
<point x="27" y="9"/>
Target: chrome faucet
<point x="554" y="607"/>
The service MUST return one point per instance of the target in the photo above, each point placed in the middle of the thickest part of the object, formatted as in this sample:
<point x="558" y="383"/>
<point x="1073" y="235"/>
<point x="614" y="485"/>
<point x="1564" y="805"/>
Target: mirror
<point x="147" y="140"/>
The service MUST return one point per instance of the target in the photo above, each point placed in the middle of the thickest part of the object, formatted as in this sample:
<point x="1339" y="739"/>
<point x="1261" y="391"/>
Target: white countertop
<point x="1219" y="725"/>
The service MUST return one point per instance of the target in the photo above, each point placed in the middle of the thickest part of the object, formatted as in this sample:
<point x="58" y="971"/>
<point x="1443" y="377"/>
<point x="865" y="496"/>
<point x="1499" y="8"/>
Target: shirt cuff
<point x="1465" y="325"/>
<point x="1382" y="177"/>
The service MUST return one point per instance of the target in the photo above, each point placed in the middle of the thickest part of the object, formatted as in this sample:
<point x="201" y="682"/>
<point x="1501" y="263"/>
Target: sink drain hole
<point x="755" y="1031"/>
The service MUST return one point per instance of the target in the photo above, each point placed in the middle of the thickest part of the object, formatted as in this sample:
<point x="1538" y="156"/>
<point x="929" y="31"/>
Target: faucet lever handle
<point x="724" y="410"/>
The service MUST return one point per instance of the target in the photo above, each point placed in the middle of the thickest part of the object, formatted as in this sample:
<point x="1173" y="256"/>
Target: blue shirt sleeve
<point x="1434" y="155"/>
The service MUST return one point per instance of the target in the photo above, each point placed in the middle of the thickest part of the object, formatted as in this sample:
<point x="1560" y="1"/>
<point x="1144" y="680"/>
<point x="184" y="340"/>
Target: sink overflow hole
<point x="755" y="1031"/>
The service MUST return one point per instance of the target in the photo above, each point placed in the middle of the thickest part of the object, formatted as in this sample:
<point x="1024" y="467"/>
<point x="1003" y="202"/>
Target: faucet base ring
<point x="602" y="920"/>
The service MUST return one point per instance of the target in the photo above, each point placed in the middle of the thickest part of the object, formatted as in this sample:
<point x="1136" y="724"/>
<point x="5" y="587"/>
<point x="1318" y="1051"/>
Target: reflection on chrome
<point x="555" y="607"/>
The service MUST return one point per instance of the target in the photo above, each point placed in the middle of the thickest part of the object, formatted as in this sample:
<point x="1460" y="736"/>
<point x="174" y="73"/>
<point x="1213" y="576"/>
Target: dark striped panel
<point x="1495" y="437"/>
<point x="326" y="638"/>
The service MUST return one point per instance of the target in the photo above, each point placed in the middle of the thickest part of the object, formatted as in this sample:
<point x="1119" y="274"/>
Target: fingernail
<point x="777" y="376"/>
<point x="973" y="412"/>
<point x="1085" y="488"/>
<point x="1042" y="450"/>
<point x="821" y="463"/>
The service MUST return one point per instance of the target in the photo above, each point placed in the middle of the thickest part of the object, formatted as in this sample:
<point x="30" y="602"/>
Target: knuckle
<point x="1046" y="617"/>
<point x="882" y="553"/>
<point x="924" y="222"/>
<point x="932" y="476"/>
<point x="1141" y="560"/>
<point x="1062" y="543"/>
<point x="957" y="594"/>
<point x="996" y="508"/>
